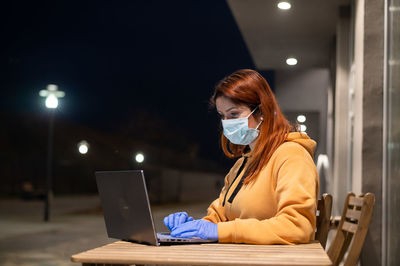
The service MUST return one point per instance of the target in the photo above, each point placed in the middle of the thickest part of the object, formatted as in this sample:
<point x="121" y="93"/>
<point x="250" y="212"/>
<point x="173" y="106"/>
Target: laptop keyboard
<point x="165" y="236"/>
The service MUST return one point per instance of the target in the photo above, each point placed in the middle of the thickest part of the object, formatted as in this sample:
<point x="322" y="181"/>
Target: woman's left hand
<point x="198" y="228"/>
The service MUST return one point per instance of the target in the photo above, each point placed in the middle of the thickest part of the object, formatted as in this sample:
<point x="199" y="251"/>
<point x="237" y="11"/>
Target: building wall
<point x="367" y="137"/>
<point x="391" y="184"/>
<point x="357" y="99"/>
<point x="342" y="155"/>
<point x="372" y="146"/>
<point x="362" y="142"/>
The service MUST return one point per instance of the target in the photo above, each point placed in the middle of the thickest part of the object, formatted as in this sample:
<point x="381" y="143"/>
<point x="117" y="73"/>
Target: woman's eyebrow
<point x="227" y="110"/>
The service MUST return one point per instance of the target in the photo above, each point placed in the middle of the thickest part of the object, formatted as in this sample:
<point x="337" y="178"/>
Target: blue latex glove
<point x="175" y="219"/>
<point x="199" y="228"/>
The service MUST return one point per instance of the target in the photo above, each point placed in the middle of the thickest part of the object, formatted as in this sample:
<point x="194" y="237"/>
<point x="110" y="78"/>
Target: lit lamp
<point x="303" y="128"/>
<point x="83" y="147"/>
<point x="302" y="119"/>
<point x="284" y="5"/>
<point x="139" y="158"/>
<point x="291" y="61"/>
<point x="51" y="94"/>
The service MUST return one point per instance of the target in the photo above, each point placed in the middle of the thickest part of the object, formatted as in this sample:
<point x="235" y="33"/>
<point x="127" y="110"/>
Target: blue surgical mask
<point x="238" y="131"/>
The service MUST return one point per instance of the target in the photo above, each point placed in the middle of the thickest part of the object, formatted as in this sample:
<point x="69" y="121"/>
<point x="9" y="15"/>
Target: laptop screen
<point x="126" y="207"/>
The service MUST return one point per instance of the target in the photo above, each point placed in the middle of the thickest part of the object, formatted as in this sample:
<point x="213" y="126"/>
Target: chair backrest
<point x="324" y="210"/>
<point x="352" y="229"/>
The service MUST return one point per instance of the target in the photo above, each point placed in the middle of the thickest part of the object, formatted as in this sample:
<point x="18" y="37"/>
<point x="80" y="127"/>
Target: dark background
<point x="137" y="76"/>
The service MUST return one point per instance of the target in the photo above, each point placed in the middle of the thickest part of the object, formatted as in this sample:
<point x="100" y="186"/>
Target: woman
<point x="270" y="193"/>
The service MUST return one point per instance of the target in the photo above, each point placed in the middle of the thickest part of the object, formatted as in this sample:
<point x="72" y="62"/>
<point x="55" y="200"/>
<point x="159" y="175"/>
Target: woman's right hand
<point x="175" y="219"/>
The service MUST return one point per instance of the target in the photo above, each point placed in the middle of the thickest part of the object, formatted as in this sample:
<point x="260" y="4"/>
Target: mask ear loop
<point x="252" y="111"/>
<point x="262" y="120"/>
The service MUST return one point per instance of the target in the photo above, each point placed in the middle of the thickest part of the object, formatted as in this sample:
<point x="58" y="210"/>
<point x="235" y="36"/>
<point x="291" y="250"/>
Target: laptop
<point x="127" y="212"/>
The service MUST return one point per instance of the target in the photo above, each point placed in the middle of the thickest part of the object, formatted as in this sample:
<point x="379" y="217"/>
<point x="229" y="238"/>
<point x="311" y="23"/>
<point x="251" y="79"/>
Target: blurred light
<point x="43" y="93"/>
<point x="303" y="128"/>
<point x="284" y="5"/>
<point x="291" y="61"/>
<point x="52" y="94"/>
<point x="301" y="118"/>
<point x="83" y="147"/>
<point x="52" y="87"/>
<point x="139" y="158"/>
<point x="51" y="101"/>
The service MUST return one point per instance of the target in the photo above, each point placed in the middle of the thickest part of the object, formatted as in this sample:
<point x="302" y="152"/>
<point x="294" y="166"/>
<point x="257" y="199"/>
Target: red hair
<point x="248" y="87"/>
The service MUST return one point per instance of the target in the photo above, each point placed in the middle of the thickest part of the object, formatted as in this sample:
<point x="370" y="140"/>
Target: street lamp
<point x="51" y="94"/>
<point x="139" y="157"/>
<point x="83" y="147"/>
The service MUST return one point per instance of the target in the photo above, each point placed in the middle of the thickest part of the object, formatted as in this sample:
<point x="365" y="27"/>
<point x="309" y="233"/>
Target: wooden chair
<point x="352" y="229"/>
<point x="324" y="210"/>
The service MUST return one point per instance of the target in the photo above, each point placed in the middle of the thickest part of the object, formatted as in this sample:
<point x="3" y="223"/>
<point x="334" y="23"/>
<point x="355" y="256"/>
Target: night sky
<point x="116" y="58"/>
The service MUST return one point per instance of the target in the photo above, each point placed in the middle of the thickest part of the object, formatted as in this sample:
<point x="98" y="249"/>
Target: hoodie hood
<point x="298" y="137"/>
<point x="303" y="140"/>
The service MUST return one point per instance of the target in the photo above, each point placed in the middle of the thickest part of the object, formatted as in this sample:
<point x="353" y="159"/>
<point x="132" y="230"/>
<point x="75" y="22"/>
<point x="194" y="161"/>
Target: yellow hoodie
<point x="279" y="206"/>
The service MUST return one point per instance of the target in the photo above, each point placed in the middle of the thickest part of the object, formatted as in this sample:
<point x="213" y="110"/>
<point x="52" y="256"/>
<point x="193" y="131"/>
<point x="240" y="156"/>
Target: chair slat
<point x="350" y="236"/>
<point x="323" y="218"/>
<point x="353" y="214"/>
<point x="349" y="227"/>
<point x="356" y="201"/>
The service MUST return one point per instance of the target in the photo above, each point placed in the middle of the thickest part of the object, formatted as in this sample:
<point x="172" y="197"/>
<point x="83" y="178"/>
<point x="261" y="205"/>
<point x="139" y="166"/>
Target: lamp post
<point x="51" y="94"/>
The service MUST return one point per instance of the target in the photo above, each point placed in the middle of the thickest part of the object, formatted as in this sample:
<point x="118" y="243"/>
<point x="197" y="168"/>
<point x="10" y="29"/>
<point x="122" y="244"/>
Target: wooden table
<point x="127" y="253"/>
